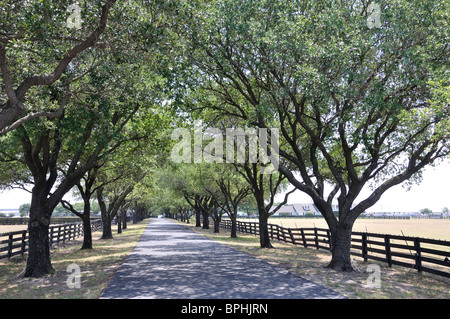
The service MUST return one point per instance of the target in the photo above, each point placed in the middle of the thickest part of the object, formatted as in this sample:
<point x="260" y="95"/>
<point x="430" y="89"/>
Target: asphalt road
<point x="172" y="262"/>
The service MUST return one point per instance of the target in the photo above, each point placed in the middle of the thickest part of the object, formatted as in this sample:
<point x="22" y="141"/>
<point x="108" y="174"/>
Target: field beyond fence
<point x="423" y="254"/>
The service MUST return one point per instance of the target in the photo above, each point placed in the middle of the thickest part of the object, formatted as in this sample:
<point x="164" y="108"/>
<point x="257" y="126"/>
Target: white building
<point x="297" y="210"/>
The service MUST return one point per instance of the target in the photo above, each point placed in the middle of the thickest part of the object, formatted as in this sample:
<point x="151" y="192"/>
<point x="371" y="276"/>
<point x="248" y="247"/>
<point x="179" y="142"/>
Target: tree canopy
<point x="354" y="94"/>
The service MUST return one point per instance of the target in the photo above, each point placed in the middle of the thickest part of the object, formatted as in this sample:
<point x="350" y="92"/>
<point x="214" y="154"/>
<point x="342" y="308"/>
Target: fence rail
<point x="423" y="254"/>
<point x="16" y="243"/>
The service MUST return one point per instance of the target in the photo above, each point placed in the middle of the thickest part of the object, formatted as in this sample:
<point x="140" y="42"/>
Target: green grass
<point x="309" y="263"/>
<point x="96" y="265"/>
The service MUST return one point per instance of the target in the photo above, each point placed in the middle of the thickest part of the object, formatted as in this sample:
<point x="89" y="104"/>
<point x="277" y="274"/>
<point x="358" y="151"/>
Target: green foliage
<point x="356" y="105"/>
<point x="24" y="208"/>
<point x="425" y="211"/>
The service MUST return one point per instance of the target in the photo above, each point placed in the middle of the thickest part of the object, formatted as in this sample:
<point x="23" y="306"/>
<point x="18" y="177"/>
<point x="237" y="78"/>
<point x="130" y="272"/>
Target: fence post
<point x="316" y="239"/>
<point x="10" y="241"/>
<point x="364" y="246"/>
<point x="22" y="248"/>
<point x="284" y="234"/>
<point x="59" y="235"/>
<point x="291" y="235"/>
<point x="418" y="254"/>
<point x="303" y="238"/>
<point x="387" y="243"/>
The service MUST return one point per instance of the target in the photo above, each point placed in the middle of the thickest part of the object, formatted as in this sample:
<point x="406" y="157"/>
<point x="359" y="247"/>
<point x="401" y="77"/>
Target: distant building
<point x="301" y="209"/>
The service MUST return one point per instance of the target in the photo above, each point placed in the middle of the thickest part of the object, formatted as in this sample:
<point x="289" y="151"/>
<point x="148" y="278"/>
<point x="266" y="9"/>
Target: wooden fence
<point x="423" y="254"/>
<point x="16" y="243"/>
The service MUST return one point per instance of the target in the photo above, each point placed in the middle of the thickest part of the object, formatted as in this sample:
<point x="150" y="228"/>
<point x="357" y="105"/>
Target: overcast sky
<point x="433" y="193"/>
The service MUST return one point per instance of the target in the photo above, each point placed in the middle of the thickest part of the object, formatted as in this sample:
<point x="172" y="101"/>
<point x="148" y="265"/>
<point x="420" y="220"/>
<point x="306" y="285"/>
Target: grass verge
<point x="97" y="265"/>
<point x="396" y="282"/>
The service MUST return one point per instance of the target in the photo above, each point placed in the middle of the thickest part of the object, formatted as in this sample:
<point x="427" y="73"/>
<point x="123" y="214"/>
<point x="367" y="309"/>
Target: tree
<point x="43" y="151"/>
<point x="264" y="189"/>
<point x="235" y="190"/>
<point x="426" y="211"/>
<point x="110" y="210"/>
<point x="36" y="42"/>
<point x="120" y="175"/>
<point x="356" y="106"/>
<point x="86" y="189"/>
<point x="24" y="209"/>
<point x="94" y="115"/>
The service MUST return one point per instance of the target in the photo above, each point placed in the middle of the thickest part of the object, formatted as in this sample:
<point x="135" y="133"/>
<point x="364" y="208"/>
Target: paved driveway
<point x="173" y="262"/>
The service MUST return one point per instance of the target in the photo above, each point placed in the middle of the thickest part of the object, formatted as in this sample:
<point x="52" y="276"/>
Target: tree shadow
<point x="172" y="262"/>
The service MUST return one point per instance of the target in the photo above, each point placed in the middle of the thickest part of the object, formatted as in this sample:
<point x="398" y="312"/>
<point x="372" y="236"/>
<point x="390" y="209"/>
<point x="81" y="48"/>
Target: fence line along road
<point x="423" y="254"/>
<point x="16" y="243"/>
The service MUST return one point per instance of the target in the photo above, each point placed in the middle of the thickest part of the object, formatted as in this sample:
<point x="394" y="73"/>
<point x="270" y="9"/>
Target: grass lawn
<point x="97" y="266"/>
<point x="396" y="282"/>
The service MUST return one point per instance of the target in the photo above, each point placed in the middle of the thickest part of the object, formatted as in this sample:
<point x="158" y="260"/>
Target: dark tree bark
<point x="119" y="224"/>
<point x="259" y="183"/>
<point x="44" y="199"/>
<point x="233" y="232"/>
<point x="341" y="244"/>
<point x="38" y="261"/>
<point x="197" y="217"/>
<point x="233" y="196"/>
<point x="87" y="230"/>
<point x="264" y="239"/>
<point x="107" y="228"/>
<point x="86" y="193"/>
<point x="108" y="213"/>
<point x="124" y="220"/>
<point x="205" y="206"/>
<point x="106" y="218"/>
<point x="205" y="215"/>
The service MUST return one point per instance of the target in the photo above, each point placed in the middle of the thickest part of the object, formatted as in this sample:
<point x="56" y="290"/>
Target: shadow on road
<point x="172" y="262"/>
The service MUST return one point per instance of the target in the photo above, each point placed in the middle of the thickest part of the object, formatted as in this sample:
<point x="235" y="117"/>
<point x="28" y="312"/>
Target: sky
<point x="433" y="192"/>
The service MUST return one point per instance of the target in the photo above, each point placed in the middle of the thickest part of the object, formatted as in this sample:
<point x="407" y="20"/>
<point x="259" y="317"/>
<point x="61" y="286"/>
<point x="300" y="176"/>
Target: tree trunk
<point x="87" y="231"/>
<point x="38" y="261"/>
<point x="107" y="231"/>
<point x="264" y="238"/>
<point x="340" y="248"/>
<point x="197" y="218"/>
<point x="124" y="220"/>
<point x="233" y="227"/>
<point x="119" y="223"/>
<point x="205" y="219"/>
<point x="217" y="225"/>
